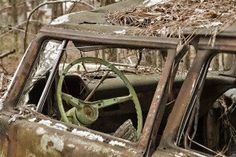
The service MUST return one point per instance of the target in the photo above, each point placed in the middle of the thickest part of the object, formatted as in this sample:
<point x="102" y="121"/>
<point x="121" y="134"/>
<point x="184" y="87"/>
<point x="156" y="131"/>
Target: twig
<point x="35" y="9"/>
<point x="5" y="70"/>
<point x="90" y="80"/>
<point x="187" y="144"/>
<point x="85" y="69"/>
<point x="196" y="118"/>
<point x="3" y="56"/>
<point x="7" y="54"/>
<point x="139" y="59"/>
<point x="82" y="2"/>
<point x="206" y="148"/>
<point x="1" y="81"/>
<point x="17" y="28"/>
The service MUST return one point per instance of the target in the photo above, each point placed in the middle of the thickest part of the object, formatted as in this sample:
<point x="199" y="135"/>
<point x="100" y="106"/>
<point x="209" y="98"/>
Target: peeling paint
<point x="50" y="142"/>
<point x="71" y="146"/>
<point x="32" y="119"/>
<point x="106" y="151"/>
<point x="59" y="126"/>
<point x="40" y="131"/>
<point x="60" y="20"/>
<point x="31" y="155"/>
<point x="179" y="155"/>
<point x="1" y="104"/>
<point x="117" y="143"/>
<point x="123" y="32"/>
<point x="88" y="135"/>
<point x="45" y="122"/>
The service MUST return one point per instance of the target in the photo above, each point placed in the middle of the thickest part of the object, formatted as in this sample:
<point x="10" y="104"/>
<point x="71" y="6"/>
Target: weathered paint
<point x="59" y="126"/>
<point x="32" y="119"/>
<point x="50" y="142"/>
<point x="31" y="139"/>
<point x="123" y="32"/>
<point x="179" y="155"/>
<point x="60" y="20"/>
<point x="45" y="122"/>
<point x="40" y="131"/>
<point x="88" y="135"/>
<point x="117" y="143"/>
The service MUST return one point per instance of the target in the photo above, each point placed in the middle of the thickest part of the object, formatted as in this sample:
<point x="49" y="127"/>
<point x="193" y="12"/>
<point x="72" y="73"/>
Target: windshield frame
<point x="33" y="52"/>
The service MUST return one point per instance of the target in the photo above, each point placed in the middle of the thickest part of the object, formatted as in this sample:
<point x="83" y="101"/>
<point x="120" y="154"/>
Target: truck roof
<point x="95" y="21"/>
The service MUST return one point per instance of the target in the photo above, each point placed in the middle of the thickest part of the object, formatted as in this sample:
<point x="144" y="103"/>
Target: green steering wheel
<point x="86" y="112"/>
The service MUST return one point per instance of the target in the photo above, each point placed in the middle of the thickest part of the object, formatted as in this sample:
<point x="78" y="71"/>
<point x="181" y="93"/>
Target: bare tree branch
<point x="39" y="6"/>
<point x="7" y="54"/>
<point x="10" y="29"/>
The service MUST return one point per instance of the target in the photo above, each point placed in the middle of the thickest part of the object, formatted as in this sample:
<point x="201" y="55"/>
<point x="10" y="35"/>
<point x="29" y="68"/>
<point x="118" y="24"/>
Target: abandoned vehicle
<point x="72" y="96"/>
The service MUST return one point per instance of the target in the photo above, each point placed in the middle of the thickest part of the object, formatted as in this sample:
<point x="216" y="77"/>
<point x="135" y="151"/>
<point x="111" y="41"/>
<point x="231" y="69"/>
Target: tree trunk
<point x="106" y="2"/>
<point x="15" y="21"/>
<point x="228" y="59"/>
<point x="35" y="16"/>
<point x="187" y="61"/>
<point x="221" y="62"/>
<point x="57" y="10"/>
<point x="25" y="11"/>
<point x="159" y="60"/>
<point x="215" y="63"/>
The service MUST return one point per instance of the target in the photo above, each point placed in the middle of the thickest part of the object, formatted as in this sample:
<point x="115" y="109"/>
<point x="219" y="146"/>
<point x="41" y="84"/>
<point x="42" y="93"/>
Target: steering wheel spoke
<point x="69" y="99"/>
<point x="75" y="102"/>
<point x="112" y="101"/>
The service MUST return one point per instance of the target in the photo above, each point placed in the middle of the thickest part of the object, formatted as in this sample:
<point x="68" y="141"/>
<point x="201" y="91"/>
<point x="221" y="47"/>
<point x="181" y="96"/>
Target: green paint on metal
<point x="98" y="104"/>
<point x="95" y="105"/>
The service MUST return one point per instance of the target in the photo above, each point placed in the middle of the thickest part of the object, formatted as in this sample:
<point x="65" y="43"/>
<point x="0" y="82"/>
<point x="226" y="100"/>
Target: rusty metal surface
<point x="184" y="98"/>
<point x="119" y="40"/>
<point x="226" y="44"/>
<point x="193" y="84"/>
<point x="22" y="73"/>
<point x="194" y="80"/>
<point x="157" y="105"/>
<point x="45" y="137"/>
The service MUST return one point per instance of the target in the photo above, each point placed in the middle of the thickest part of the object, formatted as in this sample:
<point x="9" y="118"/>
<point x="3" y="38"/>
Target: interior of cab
<point x="101" y="87"/>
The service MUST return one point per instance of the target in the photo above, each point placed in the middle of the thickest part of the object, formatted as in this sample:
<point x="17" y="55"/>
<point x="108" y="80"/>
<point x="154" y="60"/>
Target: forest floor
<point x="8" y="66"/>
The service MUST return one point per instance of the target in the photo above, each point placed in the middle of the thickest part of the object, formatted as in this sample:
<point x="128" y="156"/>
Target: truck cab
<point x="72" y="95"/>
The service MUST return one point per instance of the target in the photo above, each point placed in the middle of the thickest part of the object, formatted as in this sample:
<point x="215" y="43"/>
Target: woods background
<point x="13" y="17"/>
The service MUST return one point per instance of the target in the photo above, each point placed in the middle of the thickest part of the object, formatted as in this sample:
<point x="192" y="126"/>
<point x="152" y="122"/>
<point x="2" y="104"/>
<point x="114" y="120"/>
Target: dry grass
<point x="175" y="16"/>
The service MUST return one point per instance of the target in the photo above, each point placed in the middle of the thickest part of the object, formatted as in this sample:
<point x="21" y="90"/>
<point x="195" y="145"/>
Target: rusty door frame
<point x="194" y="82"/>
<point x="23" y="72"/>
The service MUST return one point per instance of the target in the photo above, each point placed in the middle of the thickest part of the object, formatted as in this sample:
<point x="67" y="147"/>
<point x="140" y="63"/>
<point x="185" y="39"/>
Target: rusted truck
<point x="63" y="101"/>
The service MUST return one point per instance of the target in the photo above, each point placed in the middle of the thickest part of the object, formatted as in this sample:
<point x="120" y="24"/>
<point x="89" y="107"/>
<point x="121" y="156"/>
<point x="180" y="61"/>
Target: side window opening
<point x="211" y="127"/>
